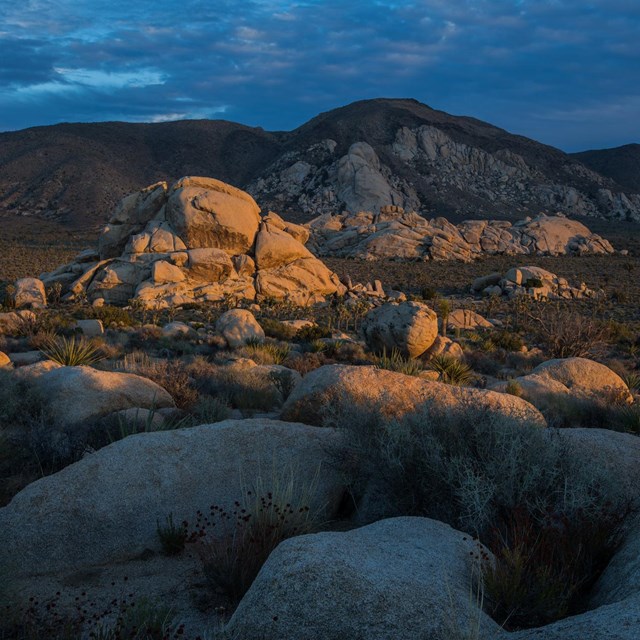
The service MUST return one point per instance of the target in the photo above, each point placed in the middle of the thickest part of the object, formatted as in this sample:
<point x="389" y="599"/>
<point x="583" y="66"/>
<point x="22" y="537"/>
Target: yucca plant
<point x="397" y="362"/>
<point x="632" y="380"/>
<point x="72" y="352"/>
<point x="451" y="370"/>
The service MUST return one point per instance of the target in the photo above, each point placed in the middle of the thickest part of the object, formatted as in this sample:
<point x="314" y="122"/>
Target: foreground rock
<point x="394" y="234"/>
<point x="105" y="507"/>
<point x="402" y="578"/>
<point x="578" y="378"/>
<point x="334" y="386"/>
<point x="200" y="240"/>
<point x="76" y="394"/>
<point x="409" y="328"/>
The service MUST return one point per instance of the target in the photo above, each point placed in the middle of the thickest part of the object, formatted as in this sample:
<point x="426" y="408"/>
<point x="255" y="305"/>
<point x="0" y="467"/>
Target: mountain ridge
<point x="413" y="156"/>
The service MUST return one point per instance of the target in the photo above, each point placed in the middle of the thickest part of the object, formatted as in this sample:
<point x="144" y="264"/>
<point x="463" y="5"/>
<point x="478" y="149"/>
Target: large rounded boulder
<point x="105" y="508"/>
<point x="402" y="578"/>
<point x="208" y="213"/>
<point x="409" y="328"/>
<point x="326" y="389"/>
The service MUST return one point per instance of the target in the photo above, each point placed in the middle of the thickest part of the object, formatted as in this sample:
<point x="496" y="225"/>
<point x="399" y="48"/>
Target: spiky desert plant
<point x="73" y="351"/>
<point x="451" y="370"/>
<point x="397" y="362"/>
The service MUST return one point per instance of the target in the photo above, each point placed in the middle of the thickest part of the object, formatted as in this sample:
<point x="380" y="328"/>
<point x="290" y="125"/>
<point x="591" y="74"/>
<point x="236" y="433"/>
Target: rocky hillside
<point x="363" y="156"/>
<point x="621" y="164"/>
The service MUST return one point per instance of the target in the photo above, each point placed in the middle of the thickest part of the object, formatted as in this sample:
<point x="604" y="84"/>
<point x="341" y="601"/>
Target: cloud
<point x="531" y="66"/>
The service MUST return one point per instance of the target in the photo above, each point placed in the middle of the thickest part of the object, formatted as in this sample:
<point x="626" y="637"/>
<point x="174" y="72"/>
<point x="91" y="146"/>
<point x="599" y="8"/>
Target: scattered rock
<point x="177" y="329"/>
<point x="5" y="361"/>
<point x="443" y="346"/>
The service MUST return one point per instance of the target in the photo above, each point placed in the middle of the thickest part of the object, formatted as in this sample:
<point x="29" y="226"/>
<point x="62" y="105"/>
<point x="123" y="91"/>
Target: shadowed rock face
<point x="363" y="156"/>
<point x="200" y="240"/>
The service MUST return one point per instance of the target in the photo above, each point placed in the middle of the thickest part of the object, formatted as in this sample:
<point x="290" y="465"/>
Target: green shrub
<point x="278" y="330"/>
<point x="209" y="410"/>
<point x="266" y="352"/>
<point x="513" y="389"/>
<point x="507" y="340"/>
<point x="312" y="333"/>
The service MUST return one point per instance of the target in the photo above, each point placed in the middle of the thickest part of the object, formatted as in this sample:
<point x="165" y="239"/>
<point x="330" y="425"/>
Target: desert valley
<point x="374" y="378"/>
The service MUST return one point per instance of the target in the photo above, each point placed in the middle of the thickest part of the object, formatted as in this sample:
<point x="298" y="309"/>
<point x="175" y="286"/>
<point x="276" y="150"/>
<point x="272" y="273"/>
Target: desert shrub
<point x="111" y="316"/>
<point x="451" y="370"/>
<point x="233" y="545"/>
<point x="549" y="518"/>
<point x="266" y="352"/>
<point x="544" y="566"/>
<point x="399" y="363"/>
<point x="563" y="333"/>
<point x="632" y="380"/>
<point x="303" y="363"/>
<point x="173" y="537"/>
<point x="72" y="352"/>
<point x="609" y="411"/>
<point x="208" y="410"/>
<point x="532" y="283"/>
<point x="278" y="330"/>
<point x="312" y="333"/>
<point x="242" y="387"/>
<point x="171" y="375"/>
<point x="468" y="467"/>
<point x="513" y="389"/>
<point x="507" y="340"/>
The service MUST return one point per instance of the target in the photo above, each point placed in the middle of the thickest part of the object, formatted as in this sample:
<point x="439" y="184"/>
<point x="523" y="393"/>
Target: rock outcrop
<point x="393" y="233"/>
<point x="532" y="281"/>
<point x="199" y="241"/>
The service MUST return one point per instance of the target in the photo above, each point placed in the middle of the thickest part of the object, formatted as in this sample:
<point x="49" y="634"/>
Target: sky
<point x="564" y="72"/>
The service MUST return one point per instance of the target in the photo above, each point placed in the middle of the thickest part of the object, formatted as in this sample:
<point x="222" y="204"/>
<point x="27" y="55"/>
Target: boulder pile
<point x="533" y="281"/>
<point x="200" y="240"/>
<point x="395" y="234"/>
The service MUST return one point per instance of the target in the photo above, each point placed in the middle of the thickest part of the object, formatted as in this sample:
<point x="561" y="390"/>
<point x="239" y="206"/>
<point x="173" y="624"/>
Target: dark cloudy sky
<point x="566" y="72"/>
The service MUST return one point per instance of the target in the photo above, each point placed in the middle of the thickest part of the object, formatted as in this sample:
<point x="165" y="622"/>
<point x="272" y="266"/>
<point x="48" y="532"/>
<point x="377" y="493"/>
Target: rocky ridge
<point x="395" y="234"/>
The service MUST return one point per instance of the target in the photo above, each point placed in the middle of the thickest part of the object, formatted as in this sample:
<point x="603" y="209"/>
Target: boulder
<point x="303" y="281"/>
<point x="105" y="508"/>
<point x="35" y="370"/>
<point x="237" y="326"/>
<point x="29" y="293"/>
<point x="90" y="327"/>
<point x="79" y="393"/>
<point x="177" y="329"/>
<point x="409" y="327"/>
<point x="443" y="346"/>
<point x="467" y="319"/>
<point x="13" y="321"/>
<point x="328" y="387"/>
<point x="5" y="361"/>
<point x="576" y="377"/>
<point x="208" y="213"/>
<point x="401" y="578"/>
<point x="275" y="248"/>
<point x="618" y="621"/>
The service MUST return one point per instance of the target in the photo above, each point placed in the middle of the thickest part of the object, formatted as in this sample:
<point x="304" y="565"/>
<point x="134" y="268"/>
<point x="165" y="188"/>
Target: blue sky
<point x="565" y="72"/>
